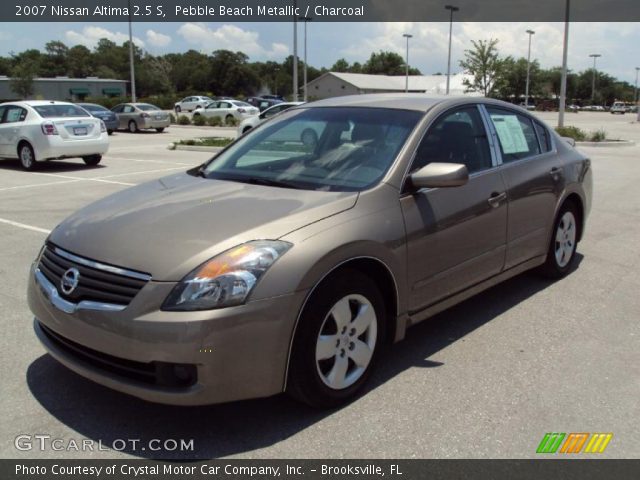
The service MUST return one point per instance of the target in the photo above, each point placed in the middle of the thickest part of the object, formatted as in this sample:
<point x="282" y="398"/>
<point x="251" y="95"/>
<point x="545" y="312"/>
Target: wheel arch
<point x="23" y="141"/>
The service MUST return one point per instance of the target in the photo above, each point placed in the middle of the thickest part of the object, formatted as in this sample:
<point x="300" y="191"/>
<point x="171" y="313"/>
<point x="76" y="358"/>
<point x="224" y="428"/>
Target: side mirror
<point x="437" y="174"/>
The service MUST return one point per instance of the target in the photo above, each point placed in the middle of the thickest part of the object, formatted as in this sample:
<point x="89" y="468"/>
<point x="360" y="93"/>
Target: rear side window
<point x="56" y="111"/>
<point x="543" y="136"/>
<point x="128" y="109"/>
<point x="516" y="134"/>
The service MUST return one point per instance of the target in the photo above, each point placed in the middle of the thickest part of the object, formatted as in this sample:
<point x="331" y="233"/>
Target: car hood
<point x="169" y="226"/>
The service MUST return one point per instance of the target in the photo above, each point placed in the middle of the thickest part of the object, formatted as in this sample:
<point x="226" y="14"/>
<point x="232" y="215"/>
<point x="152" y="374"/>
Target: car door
<point x="224" y="109"/>
<point x="3" y="137"/>
<point x="533" y="176"/>
<point x="456" y="237"/>
<point x="12" y="120"/>
<point x="128" y="113"/>
<point x="118" y="111"/>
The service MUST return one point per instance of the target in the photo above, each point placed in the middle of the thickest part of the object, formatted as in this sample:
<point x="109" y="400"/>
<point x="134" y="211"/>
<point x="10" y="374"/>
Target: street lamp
<point x="635" y="96"/>
<point x="593" y="80"/>
<point x="305" y="20"/>
<point x="565" y="51"/>
<point x="526" y="93"/>
<point x="406" y="80"/>
<point x="295" y="52"/>
<point x="132" y="69"/>
<point x="451" y="9"/>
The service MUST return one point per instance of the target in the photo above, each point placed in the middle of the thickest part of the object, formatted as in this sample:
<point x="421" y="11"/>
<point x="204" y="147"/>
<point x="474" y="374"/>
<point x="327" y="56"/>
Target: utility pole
<point x="295" y="51"/>
<point x="563" y="82"/>
<point x="526" y="94"/>
<point x="306" y="20"/>
<point x="132" y="68"/>
<point x="595" y="56"/>
<point x="406" y="79"/>
<point x="451" y="9"/>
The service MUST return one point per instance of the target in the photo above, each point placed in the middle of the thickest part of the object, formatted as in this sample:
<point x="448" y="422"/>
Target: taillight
<point x="241" y="110"/>
<point x="49" y="129"/>
<point x="103" y="127"/>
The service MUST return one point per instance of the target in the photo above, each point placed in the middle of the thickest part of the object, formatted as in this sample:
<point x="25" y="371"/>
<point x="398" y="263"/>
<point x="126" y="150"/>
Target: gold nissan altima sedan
<point x="283" y="264"/>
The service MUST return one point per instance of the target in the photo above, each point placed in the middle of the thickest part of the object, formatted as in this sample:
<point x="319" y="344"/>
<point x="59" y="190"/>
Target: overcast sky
<point x="617" y="42"/>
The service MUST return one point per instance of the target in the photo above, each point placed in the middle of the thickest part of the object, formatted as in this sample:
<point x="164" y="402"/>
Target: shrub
<point x="172" y="118"/>
<point x="165" y="102"/>
<point x="183" y="120"/>
<point x="598" y="136"/>
<point x="571" y="132"/>
<point x="199" y="120"/>
<point x="214" y="121"/>
<point x="231" y="122"/>
<point x="107" y="102"/>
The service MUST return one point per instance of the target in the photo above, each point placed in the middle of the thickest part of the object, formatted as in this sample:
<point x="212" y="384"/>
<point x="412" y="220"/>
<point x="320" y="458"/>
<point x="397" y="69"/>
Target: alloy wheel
<point x="565" y="239"/>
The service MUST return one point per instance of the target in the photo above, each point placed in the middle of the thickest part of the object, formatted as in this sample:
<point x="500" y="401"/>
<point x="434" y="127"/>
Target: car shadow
<point x="51" y="166"/>
<point x="105" y="415"/>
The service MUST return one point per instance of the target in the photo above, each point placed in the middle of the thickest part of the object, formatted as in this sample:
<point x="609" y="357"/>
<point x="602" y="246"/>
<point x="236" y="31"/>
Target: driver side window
<point x="457" y="136"/>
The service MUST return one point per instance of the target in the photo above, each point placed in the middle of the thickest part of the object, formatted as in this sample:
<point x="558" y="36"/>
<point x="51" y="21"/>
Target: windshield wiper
<point x="267" y="182"/>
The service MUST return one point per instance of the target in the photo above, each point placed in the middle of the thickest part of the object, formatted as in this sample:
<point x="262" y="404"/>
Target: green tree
<point x="387" y="63"/>
<point x="514" y="79"/>
<point x="55" y="59"/>
<point x="340" y="66"/>
<point x="80" y="62"/>
<point x="22" y="79"/>
<point x="484" y="65"/>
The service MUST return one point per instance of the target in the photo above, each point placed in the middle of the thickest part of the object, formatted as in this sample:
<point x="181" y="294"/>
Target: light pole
<point x="406" y="64"/>
<point x="563" y="81"/>
<point x="526" y="93"/>
<point x="451" y="9"/>
<point x="635" y="96"/>
<point x="595" y="56"/>
<point x="305" y="20"/>
<point x="295" y="51"/>
<point x="132" y="69"/>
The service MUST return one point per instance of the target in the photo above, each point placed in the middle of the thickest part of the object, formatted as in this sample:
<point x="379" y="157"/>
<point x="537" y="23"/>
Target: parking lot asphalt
<point x="485" y="379"/>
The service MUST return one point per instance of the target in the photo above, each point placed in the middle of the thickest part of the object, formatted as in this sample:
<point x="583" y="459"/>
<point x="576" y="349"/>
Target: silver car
<point x="141" y="116"/>
<point x="284" y="265"/>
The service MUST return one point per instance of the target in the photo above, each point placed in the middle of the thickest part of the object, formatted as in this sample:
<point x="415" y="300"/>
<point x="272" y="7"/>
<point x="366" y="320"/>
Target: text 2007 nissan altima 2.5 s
<point x="284" y="266"/>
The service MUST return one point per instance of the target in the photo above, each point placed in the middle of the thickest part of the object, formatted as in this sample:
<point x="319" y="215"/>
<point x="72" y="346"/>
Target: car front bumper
<point x="238" y="352"/>
<point x="53" y="146"/>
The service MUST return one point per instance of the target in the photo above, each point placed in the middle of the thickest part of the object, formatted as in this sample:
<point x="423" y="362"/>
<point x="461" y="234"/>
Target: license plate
<point x="80" y="131"/>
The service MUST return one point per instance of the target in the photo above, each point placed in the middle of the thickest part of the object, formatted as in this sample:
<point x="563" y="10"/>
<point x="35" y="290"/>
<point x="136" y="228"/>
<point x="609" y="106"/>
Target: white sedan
<point x="34" y="131"/>
<point x="227" y="110"/>
<point x="254" y="121"/>
<point x="188" y="104"/>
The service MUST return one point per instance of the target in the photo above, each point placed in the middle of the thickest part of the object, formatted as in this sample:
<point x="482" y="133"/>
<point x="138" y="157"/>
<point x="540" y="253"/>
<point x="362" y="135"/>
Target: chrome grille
<point x="98" y="282"/>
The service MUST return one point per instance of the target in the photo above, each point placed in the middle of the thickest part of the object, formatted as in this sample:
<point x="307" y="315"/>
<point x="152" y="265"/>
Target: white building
<point x="336" y="84"/>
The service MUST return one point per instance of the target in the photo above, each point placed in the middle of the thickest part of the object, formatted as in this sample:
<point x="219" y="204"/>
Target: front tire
<point x="109" y="132"/>
<point x="27" y="157"/>
<point x="160" y="130"/>
<point x="337" y="341"/>
<point x="92" y="160"/>
<point x="133" y="126"/>
<point x="564" y="240"/>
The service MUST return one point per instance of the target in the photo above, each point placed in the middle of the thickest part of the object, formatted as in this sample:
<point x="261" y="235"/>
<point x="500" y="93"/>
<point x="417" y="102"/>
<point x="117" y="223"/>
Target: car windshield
<point x="93" y="108"/>
<point x="53" y="111"/>
<point x="328" y="149"/>
<point x="145" y="107"/>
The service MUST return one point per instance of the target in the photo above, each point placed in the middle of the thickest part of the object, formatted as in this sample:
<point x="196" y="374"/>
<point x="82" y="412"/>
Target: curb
<point x="607" y="143"/>
<point x="193" y="148"/>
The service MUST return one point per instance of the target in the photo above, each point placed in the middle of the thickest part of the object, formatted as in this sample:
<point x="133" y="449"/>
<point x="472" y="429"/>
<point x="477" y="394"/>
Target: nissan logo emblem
<point x="69" y="280"/>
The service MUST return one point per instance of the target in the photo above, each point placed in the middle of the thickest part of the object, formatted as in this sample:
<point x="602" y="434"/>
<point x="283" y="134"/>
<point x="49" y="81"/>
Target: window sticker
<point x="510" y="133"/>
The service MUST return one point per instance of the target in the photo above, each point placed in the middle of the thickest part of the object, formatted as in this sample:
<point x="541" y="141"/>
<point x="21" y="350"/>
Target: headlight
<point x="226" y="279"/>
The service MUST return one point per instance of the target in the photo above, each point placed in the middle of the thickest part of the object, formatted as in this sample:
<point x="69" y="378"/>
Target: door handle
<point x="555" y="173"/>
<point x="496" y="198"/>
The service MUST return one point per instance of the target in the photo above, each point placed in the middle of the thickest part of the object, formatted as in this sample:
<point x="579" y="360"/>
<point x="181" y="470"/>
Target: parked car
<point x="618" y="107"/>
<point x="253" y="121"/>
<point x="573" y="108"/>
<point x="107" y="116"/>
<point x="285" y="267"/>
<point x="141" y="116"/>
<point x="530" y="106"/>
<point x="188" y="104"/>
<point x="34" y="131"/>
<point x="227" y="109"/>
<point x="262" y="103"/>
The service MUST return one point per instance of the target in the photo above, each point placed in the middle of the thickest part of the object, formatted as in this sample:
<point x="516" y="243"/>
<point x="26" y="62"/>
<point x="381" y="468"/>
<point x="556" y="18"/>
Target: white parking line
<point x="19" y="187"/>
<point x="164" y="162"/>
<point x="23" y="225"/>
<point x="97" y="179"/>
<point x="141" y="172"/>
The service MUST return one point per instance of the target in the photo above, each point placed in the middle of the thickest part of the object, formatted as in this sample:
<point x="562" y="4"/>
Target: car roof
<point x="37" y="103"/>
<point x="402" y="101"/>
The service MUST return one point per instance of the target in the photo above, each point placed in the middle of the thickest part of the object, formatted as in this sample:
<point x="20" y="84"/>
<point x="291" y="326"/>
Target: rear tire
<point x="109" y="132"/>
<point x="246" y="129"/>
<point x="178" y="109"/>
<point x="337" y="341"/>
<point x="133" y="126"/>
<point x="160" y="130"/>
<point x="27" y="157"/>
<point x="92" y="160"/>
<point x="563" y="243"/>
<point x="229" y="118"/>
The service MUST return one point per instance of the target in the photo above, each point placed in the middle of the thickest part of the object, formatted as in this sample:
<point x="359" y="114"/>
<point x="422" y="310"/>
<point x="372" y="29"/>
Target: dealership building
<point x="66" y="88"/>
<point x="336" y="84"/>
